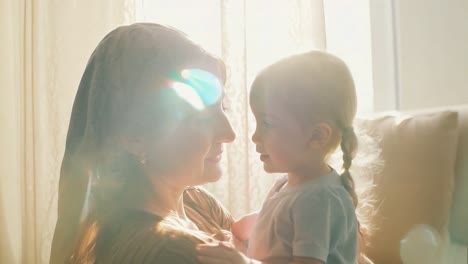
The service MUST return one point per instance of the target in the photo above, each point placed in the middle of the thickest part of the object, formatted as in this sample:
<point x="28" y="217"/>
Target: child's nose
<point x="256" y="137"/>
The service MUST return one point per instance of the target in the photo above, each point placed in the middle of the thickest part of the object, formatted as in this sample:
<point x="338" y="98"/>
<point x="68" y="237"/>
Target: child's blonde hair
<point x="318" y="87"/>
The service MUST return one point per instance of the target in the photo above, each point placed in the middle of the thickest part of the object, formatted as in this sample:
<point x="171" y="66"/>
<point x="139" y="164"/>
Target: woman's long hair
<point x="117" y="96"/>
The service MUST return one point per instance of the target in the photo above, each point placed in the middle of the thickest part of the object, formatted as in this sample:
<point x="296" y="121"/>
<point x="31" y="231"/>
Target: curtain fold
<point x="44" y="48"/>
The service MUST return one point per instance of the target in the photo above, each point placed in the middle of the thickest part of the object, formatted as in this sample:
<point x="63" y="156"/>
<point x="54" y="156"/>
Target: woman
<point x="146" y="124"/>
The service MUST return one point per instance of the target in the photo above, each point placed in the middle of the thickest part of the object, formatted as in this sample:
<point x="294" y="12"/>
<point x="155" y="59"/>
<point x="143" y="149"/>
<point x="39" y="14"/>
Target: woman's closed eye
<point x="210" y="115"/>
<point x="203" y="119"/>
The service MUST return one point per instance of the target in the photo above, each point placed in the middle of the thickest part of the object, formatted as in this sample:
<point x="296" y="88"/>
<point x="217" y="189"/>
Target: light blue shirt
<point x="315" y="220"/>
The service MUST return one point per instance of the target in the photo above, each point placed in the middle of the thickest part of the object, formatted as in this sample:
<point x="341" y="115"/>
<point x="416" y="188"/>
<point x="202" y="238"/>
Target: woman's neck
<point x="306" y="174"/>
<point x="160" y="197"/>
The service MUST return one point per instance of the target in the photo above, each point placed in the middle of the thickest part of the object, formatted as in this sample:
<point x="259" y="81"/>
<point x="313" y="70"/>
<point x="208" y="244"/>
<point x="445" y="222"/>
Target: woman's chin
<point x="211" y="174"/>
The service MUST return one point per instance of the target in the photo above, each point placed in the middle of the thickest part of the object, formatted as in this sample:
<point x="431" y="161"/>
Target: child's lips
<point x="263" y="157"/>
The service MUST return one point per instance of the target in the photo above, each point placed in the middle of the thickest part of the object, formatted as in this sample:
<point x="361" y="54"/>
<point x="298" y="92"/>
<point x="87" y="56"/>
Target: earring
<point x="143" y="158"/>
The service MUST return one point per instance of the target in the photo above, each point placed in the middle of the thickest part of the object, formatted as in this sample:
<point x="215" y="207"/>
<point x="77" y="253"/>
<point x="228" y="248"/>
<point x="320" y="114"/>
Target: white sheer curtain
<point x="248" y="35"/>
<point x="44" y="46"/>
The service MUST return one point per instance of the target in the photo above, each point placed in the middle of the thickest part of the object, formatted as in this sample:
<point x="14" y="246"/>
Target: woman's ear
<point x="320" y="135"/>
<point x="133" y="145"/>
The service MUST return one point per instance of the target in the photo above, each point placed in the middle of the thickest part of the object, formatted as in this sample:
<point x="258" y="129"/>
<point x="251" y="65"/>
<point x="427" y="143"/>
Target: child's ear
<point x="320" y="135"/>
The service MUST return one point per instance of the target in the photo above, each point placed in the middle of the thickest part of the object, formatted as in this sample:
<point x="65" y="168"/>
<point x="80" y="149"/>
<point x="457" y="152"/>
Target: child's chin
<point x="269" y="169"/>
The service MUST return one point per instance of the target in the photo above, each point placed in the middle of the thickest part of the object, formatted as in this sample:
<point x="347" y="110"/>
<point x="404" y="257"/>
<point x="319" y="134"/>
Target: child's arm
<point x="242" y="228"/>
<point x="321" y="221"/>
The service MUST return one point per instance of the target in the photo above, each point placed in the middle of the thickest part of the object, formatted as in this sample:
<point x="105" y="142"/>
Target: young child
<point x="304" y="106"/>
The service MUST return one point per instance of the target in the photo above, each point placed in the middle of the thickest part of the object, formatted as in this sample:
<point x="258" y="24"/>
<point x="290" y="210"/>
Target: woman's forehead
<point x="209" y="64"/>
<point x="197" y="87"/>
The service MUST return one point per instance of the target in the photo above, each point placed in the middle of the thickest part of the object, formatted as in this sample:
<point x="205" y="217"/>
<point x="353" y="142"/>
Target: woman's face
<point x="189" y="146"/>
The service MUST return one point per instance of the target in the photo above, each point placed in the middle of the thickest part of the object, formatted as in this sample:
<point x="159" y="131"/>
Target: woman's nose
<point x="225" y="131"/>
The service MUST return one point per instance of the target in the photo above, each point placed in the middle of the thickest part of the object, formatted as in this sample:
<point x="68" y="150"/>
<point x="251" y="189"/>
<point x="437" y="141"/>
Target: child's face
<point x="280" y="138"/>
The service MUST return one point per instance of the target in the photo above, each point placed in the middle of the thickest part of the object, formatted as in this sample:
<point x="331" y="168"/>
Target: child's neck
<point x="312" y="172"/>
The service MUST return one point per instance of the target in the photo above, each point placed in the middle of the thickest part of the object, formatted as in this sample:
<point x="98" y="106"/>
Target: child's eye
<point x="266" y="124"/>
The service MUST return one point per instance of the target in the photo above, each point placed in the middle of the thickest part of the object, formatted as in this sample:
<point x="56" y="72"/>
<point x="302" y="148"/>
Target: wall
<point x="433" y="52"/>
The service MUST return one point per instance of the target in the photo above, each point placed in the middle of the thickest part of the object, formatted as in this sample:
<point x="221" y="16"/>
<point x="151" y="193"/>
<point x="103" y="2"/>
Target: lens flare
<point x="197" y="87"/>
<point x="187" y="93"/>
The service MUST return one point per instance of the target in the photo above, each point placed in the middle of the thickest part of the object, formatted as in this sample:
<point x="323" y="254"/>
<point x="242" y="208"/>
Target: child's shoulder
<point x="323" y="195"/>
<point x="278" y="184"/>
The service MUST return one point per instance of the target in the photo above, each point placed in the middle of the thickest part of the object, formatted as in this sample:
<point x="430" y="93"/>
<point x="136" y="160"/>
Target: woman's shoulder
<point x="206" y="211"/>
<point x="139" y="237"/>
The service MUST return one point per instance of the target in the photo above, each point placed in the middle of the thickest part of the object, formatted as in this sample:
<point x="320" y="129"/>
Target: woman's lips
<point x="215" y="158"/>
<point x="263" y="157"/>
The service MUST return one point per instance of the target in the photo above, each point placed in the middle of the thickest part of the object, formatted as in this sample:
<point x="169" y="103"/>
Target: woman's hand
<point x="222" y="253"/>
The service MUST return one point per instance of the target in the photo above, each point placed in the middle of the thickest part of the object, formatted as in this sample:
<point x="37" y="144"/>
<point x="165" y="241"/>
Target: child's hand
<point x="221" y="253"/>
<point x="242" y="228"/>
